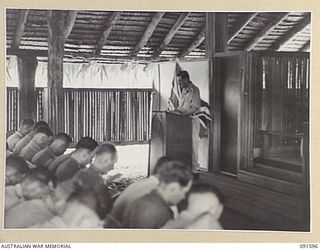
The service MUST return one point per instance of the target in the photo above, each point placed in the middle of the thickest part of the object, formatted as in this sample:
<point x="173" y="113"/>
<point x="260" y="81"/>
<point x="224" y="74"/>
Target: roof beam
<point x="305" y="47"/>
<point x="196" y="42"/>
<point x="288" y="37"/>
<point x="148" y="33"/>
<point x="266" y="31"/>
<point x="106" y="31"/>
<point x="176" y="26"/>
<point x="23" y="15"/>
<point x="241" y="25"/>
<point x="69" y="22"/>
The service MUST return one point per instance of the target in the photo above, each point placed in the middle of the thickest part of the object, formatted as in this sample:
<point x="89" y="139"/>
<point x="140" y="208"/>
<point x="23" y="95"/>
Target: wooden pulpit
<point x="171" y="136"/>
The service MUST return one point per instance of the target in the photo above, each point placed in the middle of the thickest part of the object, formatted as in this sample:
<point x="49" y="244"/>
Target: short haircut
<point x="40" y="124"/>
<point x="200" y="188"/>
<point x="64" y="137"/>
<point x="87" y="143"/>
<point x="184" y="75"/>
<point x="175" y="171"/>
<point x="44" y="130"/>
<point x="106" y="148"/>
<point x="28" y="122"/>
<point x="40" y="174"/>
<point x="161" y="161"/>
<point x="18" y="163"/>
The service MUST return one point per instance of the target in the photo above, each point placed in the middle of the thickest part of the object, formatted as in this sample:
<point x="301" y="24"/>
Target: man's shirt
<point x="44" y="158"/>
<point x="22" y="143"/>
<point x="30" y="150"/>
<point x="67" y="169"/>
<point x="14" y="139"/>
<point x="13" y="196"/>
<point x="148" y="211"/>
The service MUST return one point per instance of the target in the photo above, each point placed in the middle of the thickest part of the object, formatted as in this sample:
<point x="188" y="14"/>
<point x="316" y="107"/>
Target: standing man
<point x="185" y="99"/>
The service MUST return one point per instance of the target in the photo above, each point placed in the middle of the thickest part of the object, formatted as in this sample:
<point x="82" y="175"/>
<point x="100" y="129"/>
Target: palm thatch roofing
<point x="109" y="37"/>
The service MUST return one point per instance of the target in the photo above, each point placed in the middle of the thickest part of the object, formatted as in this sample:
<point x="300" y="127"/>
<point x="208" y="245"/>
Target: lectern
<point x="171" y="136"/>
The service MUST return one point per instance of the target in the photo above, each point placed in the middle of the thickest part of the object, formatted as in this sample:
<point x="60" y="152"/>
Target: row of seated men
<point x="68" y="191"/>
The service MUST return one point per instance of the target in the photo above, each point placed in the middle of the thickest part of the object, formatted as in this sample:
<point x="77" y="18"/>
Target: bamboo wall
<point x="118" y="115"/>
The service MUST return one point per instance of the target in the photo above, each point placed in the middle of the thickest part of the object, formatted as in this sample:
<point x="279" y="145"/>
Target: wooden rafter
<point x="106" y="31"/>
<point x="69" y="22"/>
<point x="241" y="25"/>
<point x="266" y="31"/>
<point x="196" y="42"/>
<point x="23" y="15"/>
<point x="148" y="33"/>
<point x="292" y="33"/>
<point x="171" y="33"/>
<point x="306" y="47"/>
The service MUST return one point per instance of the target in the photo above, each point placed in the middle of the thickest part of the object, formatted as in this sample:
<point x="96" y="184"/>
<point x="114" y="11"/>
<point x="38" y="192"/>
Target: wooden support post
<point x="56" y="31"/>
<point x="21" y="24"/>
<point x="27" y="98"/>
<point x="216" y="40"/>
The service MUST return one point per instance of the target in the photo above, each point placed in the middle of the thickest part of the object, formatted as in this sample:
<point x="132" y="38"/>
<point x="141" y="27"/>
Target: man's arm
<point x="191" y="102"/>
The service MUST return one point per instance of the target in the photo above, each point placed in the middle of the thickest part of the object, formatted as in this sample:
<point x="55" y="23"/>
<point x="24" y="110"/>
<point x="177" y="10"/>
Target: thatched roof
<point x="120" y="36"/>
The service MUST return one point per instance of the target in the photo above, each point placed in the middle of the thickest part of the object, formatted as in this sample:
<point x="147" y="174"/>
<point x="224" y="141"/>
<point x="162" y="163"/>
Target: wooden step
<point x="281" y="163"/>
<point x="278" y="173"/>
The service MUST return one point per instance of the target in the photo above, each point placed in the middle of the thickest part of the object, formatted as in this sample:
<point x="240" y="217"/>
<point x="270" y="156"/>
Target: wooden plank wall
<point x="282" y="98"/>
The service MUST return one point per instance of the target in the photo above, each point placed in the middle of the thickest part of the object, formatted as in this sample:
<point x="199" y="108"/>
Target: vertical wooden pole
<point x="27" y="92"/>
<point x="216" y="41"/>
<point x="56" y="19"/>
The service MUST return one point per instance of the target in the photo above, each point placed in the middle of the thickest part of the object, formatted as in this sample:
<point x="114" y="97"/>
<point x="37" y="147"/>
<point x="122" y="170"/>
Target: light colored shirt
<point x="13" y="196"/>
<point x="44" y="158"/>
<point x="28" y="213"/>
<point x="14" y="139"/>
<point x="30" y="150"/>
<point x="186" y="220"/>
<point x="22" y="143"/>
<point x="189" y="102"/>
<point x="75" y="215"/>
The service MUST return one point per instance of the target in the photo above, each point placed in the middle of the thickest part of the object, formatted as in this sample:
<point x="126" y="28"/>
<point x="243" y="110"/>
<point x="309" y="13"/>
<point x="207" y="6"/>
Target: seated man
<point x="134" y="191"/>
<point x="39" y="141"/>
<point x="153" y="210"/>
<point x="16" y="170"/>
<point x="69" y="165"/>
<point x="25" y="140"/>
<point x="104" y="158"/>
<point x="205" y="206"/>
<point x="75" y="203"/>
<point x="24" y="129"/>
<point x="46" y="156"/>
<point x="35" y="185"/>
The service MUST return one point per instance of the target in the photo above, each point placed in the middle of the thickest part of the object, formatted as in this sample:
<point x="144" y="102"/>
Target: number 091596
<point x="313" y="246"/>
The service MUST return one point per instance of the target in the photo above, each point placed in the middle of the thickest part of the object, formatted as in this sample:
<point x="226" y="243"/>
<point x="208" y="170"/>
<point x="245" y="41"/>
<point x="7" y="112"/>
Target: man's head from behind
<point x="40" y="124"/>
<point x="84" y="150"/>
<point x="16" y="170"/>
<point x="36" y="185"/>
<point x="60" y="143"/>
<point x="175" y="181"/>
<point x="26" y="126"/>
<point x="159" y="164"/>
<point x="42" y="136"/>
<point x="204" y="198"/>
<point x="105" y="157"/>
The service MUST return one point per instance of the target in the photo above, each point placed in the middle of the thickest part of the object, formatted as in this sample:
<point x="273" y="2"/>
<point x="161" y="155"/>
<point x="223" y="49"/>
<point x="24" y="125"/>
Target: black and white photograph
<point x="167" y="120"/>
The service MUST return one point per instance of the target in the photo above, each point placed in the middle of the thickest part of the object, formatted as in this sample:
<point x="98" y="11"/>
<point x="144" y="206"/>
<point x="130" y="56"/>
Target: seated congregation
<point x="47" y="188"/>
